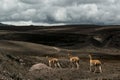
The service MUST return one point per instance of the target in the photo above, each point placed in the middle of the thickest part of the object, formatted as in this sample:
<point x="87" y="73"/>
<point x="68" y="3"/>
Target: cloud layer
<point x="60" y="11"/>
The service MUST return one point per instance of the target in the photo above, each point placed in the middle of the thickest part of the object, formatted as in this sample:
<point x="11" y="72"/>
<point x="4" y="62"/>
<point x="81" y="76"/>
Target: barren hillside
<point x="22" y="47"/>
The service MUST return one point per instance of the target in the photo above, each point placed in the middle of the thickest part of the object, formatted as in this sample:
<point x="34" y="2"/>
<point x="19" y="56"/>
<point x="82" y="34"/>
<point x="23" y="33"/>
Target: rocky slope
<point x="23" y="51"/>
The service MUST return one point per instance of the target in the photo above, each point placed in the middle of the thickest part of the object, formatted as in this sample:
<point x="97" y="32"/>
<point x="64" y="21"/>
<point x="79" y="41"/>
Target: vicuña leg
<point x="95" y="69"/>
<point x="72" y="64"/>
<point x="77" y="64"/>
<point x="55" y="65"/>
<point x="100" y="68"/>
<point x="50" y="65"/>
<point x="90" y="68"/>
<point x="59" y="65"/>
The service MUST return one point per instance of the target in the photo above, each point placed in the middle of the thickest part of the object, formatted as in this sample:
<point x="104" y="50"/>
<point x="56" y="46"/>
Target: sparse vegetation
<point x="21" y="48"/>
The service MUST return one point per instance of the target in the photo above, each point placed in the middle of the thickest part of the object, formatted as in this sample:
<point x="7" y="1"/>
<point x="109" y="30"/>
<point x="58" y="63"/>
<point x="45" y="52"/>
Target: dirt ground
<point x="111" y="71"/>
<point x="16" y="66"/>
<point x="23" y="48"/>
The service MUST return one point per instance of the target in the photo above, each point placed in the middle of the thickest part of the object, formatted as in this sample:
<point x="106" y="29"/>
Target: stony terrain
<point x="23" y="51"/>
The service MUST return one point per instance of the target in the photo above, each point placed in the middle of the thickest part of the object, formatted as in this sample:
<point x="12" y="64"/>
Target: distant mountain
<point x="1" y="24"/>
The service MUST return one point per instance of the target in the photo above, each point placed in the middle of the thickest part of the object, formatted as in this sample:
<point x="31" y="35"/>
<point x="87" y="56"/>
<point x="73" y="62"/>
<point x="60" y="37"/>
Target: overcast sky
<point x="60" y="11"/>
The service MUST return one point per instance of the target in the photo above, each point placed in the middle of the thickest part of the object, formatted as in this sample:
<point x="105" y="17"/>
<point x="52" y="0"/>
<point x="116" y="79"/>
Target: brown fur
<point x="95" y="63"/>
<point x="54" y="62"/>
<point x="74" y="59"/>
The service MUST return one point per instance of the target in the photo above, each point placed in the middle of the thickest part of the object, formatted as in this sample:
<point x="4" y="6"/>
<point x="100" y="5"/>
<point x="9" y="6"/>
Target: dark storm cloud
<point x="60" y="11"/>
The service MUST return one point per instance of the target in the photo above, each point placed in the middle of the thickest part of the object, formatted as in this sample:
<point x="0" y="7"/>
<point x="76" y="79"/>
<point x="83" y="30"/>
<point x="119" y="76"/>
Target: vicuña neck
<point x="90" y="57"/>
